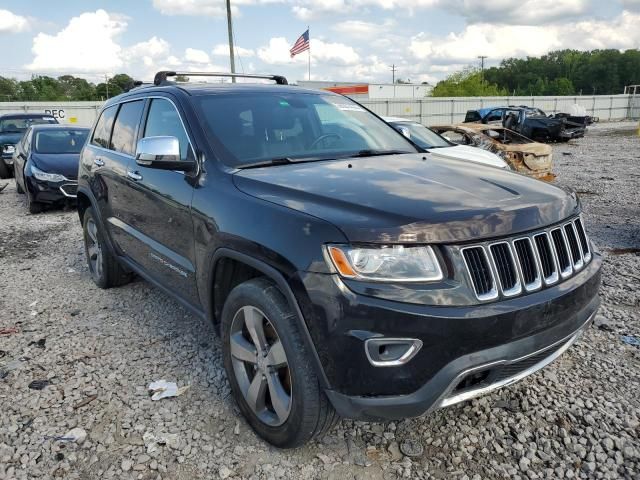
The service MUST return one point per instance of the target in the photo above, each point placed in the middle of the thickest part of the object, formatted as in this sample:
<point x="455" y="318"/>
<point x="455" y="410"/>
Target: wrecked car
<point x="521" y="153"/>
<point x="530" y="122"/>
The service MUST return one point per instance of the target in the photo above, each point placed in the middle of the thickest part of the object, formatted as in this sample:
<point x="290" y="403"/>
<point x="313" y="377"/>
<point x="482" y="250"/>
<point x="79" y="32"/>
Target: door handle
<point x="98" y="161"/>
<point x="134" y="175"/>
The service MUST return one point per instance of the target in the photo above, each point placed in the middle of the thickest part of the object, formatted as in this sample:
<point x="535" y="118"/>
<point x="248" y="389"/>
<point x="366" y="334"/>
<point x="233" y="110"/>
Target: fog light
<point x="391" y="352"/>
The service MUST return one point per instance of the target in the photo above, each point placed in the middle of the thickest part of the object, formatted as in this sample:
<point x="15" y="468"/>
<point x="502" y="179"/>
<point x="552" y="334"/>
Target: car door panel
<point x="157" y="219"/>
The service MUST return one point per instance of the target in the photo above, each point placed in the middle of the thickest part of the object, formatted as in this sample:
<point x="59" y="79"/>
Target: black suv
<point x="348" y="273"/>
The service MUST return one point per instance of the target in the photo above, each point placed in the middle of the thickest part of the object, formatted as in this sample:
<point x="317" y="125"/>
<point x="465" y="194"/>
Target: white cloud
<point x="147" y="52"/>
<point x="193" y="55"/>
<point x="517" y="12"/>
<point x="209" y="8"/>
<point x="631" y="5"/>
<point x="222" y="50"/>
<point x="277" y="52"/>
<point x="87" y="44"/>
<point x="323" y="53"/>
<point x="363" y="30"/>
<point x="12" y="23"/>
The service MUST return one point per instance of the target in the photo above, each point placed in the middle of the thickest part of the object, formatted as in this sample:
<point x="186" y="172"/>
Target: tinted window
<point x="420" y="135"/>
<point x="252" y="127"/>
<point x="102" y="133"/>
<point x="163" y="120"/>
<point x="60" y="141"/>
<point x="20" y="124"/>
<point x="494" y="116"/>
<point x="125" y="127"/>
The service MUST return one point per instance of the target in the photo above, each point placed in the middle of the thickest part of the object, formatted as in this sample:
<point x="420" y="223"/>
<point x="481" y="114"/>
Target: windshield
<point x="60" y="141"/>
<point x="258" y="127"/>
<point x="421" y="135"/>
<point x="20" y="124"/>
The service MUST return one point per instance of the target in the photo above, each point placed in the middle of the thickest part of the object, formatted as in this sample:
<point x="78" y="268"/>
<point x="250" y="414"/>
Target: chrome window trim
<point x="537" y="283"/>
<point x="517" y="288"/>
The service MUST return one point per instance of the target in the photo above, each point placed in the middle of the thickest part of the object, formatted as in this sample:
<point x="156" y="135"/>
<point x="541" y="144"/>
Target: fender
<point x="284" y="287"/>
<point x="94" y="204"/>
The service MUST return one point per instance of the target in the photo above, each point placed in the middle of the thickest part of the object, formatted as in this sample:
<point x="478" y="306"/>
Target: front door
<point x="158" y="215"/>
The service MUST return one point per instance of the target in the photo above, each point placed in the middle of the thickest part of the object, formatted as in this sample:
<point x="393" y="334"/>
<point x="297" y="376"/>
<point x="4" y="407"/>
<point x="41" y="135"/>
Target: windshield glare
<point x="16" y="125"/>
<point x="60" y="141"/>
<point x="421" y="135"/>
<point x="257" y="127"/>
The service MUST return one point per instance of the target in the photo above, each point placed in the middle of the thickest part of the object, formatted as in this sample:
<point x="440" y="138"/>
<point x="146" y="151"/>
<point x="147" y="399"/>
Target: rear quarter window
<point x="102" y="133"/>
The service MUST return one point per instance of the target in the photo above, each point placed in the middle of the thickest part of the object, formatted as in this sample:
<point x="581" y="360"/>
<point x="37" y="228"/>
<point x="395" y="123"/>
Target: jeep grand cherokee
<point x="348" y="273"/>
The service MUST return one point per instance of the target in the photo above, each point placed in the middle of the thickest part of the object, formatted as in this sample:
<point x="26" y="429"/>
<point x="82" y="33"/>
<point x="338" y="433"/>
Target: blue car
<point x="12" y="128"/>
<point x="46" y="164"/>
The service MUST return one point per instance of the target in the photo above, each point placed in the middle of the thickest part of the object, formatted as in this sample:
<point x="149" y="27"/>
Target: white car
<point x="437" y="145"/>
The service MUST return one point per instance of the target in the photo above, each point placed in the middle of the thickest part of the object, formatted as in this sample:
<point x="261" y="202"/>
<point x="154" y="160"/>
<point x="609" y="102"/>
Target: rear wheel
<point x="105" y="270"/>
<point x="4" y="170"/>
<point x="269" y="368"/>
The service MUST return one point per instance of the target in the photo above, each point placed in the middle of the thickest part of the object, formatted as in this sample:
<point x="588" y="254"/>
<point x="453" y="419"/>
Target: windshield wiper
<point x="268" y="163"/>
<point x="376" y="153"/>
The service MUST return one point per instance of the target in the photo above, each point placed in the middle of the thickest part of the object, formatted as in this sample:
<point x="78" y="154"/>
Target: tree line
<point x="63" y="88"/>
<point x="563" y="72"/>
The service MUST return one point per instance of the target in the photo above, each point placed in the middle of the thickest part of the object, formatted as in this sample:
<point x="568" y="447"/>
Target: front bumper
<point x="467" y="351"/>
<point x="52" y="192"/>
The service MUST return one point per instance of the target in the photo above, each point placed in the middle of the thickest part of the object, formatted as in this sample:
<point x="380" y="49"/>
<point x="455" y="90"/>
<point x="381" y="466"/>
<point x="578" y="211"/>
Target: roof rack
<point x="161" y="77"/>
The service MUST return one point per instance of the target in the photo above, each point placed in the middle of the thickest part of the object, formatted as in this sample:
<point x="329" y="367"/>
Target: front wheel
<point x="269" y="369"/>
<point x="105" y="270"/>
<point x="33" y="206"/>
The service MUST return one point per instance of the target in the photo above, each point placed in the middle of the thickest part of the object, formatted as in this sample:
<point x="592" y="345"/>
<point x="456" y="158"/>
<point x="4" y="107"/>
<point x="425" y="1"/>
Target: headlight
<point x="394" y="263"/>
<point x="47" y="177"/>
<point x="8" y="149"/>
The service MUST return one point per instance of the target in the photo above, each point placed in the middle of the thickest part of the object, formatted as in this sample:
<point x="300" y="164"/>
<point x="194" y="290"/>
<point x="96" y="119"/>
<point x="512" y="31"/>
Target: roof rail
<point x="161" y="77"/>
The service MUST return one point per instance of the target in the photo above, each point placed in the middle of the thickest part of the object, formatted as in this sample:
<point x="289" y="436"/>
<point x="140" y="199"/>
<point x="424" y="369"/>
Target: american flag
<point x="301" y="44"/>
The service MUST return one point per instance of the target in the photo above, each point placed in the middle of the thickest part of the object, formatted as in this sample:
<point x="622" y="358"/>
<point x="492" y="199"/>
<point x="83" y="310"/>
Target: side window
<point x="164" y="120"/>
<point x="102" y="133"/>
<point x="125" y="127"/>
<point x="494" y="116"/>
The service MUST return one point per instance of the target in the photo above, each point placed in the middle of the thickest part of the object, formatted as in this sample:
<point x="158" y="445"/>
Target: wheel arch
<point x="251" y="267"/>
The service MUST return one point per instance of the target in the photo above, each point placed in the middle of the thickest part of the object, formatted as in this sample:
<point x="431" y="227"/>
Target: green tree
<point x="466" y="83"/>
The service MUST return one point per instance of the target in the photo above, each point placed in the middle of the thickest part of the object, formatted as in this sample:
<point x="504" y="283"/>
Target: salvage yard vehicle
<point x="431" y="142"/>
<point x="521" y="153"/>
<point x="347" y="273"/>
<point x="530" y="122"/>
<point x="46" y="164"/>
<point x="12" y="128"/>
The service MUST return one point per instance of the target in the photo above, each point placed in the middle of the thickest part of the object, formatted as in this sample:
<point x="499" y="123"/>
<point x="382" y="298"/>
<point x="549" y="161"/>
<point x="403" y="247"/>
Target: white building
<point x="373" y="91"/>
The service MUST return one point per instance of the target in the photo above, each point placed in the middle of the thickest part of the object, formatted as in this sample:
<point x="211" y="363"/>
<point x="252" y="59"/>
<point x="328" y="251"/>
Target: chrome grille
<point x="526" y="263"/>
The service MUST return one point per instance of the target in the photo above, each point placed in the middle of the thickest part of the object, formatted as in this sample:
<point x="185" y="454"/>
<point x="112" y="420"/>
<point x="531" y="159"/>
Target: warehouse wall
<point x="427" y="110"/>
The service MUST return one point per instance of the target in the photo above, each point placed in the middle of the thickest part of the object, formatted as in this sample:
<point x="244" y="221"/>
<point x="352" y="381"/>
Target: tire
<point x="309" y="411"/>
<point x="33" y="206"/>
<point x="4" y="170"/>
<point x="105" y="270"/>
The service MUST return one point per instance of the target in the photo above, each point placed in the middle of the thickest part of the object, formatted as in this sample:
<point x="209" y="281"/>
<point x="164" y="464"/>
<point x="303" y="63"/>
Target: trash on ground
<point x="33" y="304"/>
<point x="2" y="187"/>
<point x="603" y="323"/>
<point x="40" y="343"/>
<point x="78" y="435"/>
<point x="631" y="340"/>
<point x="8" y="330"/>
<point x="163" y="389"/>
<point x="39" y="384"/>
<point x="153" y="441"/>
<point x="85" y="401"/>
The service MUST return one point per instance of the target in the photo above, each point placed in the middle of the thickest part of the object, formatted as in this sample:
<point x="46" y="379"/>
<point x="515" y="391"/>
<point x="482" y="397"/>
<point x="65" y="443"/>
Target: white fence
<point x="428" y="110"/>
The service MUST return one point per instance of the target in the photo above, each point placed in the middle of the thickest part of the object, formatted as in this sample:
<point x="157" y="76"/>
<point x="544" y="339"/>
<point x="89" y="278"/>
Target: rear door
<point x="108" y="166"/>
<point x="158" y="214"/>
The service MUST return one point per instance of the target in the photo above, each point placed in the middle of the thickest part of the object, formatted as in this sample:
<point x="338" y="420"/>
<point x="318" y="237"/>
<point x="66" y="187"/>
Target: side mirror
<point x="162" y="153"/>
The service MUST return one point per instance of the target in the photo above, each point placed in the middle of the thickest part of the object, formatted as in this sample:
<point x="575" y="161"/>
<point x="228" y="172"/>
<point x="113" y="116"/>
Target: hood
<point x="63" y="163"/>
<point x="470" y="154"/>
<point x="403" y="198"/>
<point x="10" y="138"/>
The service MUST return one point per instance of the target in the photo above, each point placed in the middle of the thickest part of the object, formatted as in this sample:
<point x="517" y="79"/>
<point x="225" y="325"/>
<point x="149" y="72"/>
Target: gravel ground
<point x="96" y="351"/>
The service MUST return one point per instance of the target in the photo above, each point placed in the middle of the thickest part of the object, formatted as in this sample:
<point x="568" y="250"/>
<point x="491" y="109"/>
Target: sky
<point x="351" y="40"/>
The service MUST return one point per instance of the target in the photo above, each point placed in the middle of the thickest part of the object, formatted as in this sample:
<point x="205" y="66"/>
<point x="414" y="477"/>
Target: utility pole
<point x="106" y="82"/>
<point x="393" y="73"/>
<point x="230" y="31"/>
<point x="482" y="57"/>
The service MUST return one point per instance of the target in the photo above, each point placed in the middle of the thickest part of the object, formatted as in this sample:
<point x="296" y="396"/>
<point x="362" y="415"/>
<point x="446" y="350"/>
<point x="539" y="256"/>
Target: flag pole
<point x="309" y="33"/>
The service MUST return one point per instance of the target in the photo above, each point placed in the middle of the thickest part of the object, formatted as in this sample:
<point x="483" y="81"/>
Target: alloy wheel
<point x="260" y="366"/>
<point x="94" y="250"/>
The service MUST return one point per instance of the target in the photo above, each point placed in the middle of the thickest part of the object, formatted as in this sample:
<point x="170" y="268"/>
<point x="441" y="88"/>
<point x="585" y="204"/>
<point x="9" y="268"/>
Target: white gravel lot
<point x="98" y="350"/>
